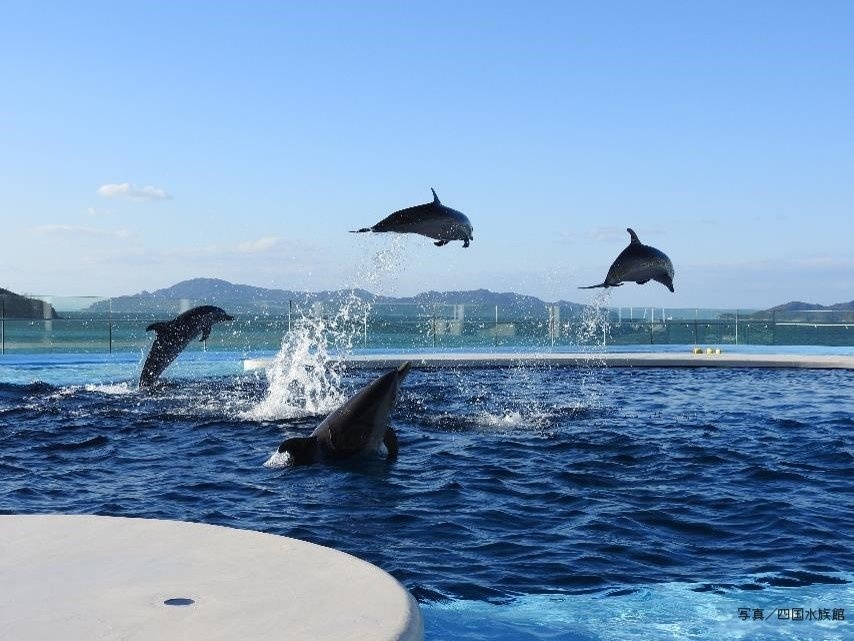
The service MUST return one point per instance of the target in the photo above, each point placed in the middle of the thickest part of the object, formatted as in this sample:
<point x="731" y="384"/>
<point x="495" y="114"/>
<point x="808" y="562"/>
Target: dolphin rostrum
<point x="639" y="263"/>
<point x="357" y="427"/>
<point x="173" y="336"/>
<point x="433" y="220"/>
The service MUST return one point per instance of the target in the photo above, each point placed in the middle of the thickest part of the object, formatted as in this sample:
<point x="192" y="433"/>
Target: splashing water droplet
<point x="304" y="378"/>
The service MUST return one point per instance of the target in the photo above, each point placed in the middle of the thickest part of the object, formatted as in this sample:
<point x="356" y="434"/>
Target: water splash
<point x="304" y="378"/>
<point x="591" y="335"/>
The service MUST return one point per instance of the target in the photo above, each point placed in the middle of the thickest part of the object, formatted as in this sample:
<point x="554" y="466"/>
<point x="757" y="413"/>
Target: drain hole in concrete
<point x="179" y="601"/>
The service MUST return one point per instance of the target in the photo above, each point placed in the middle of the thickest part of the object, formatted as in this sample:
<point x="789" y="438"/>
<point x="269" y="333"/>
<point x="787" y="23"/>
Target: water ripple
<point x="509" y="482"/>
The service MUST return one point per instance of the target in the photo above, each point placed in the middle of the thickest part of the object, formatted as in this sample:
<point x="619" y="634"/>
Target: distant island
<point x="14" y="305"/>
<point x="244" y="299"/>
<point x="247" y="298"/>
<point x="798" y="306"/>
<point x="800" y="312"/>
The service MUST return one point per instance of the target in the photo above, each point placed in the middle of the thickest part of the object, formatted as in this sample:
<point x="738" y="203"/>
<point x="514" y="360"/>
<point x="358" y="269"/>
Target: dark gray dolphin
<point x="433" y="220"/>
<point x="173" y="336"/>
<point x="639" y="263"/>
<point x="357" y="427"/>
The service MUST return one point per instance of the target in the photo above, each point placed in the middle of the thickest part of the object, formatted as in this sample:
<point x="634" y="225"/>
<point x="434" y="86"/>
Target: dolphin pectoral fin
<point x="594" y="286"/>
<point x="465" y="243"/>
<point x="157" y="327"/>
<point x="642" y="282"/>
<point x="391" y="443"/>
<point x="440" y="243"/>
<point x="206" y="332"/>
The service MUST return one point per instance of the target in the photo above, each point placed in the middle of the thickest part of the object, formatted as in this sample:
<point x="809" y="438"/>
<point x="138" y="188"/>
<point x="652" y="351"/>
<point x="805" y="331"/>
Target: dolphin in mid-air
<point x="433" y="220"/>
<point x="173" y="336"/>
<point x="639" y="263"/>
<point x="357" y="427"/>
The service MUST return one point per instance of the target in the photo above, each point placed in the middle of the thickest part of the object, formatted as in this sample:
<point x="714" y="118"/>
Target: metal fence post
<point x="495" y="332"/>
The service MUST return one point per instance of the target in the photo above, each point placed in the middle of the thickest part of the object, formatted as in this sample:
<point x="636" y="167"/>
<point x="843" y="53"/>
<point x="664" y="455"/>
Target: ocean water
<point x="526" y="503"/>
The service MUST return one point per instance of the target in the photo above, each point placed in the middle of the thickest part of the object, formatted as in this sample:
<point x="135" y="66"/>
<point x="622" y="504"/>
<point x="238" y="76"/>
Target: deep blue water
<point x="527" y="503"/>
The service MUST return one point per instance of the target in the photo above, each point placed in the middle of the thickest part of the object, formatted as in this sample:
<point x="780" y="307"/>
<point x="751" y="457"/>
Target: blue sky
<point x="144" y="143"/>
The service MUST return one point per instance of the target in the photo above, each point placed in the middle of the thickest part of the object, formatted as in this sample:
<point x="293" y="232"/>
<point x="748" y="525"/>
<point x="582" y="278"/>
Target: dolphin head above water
<point x="358" y="427"/>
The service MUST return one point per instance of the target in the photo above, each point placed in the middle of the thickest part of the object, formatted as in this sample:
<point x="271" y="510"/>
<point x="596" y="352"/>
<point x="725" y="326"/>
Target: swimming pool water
<point x="526" y="503"/>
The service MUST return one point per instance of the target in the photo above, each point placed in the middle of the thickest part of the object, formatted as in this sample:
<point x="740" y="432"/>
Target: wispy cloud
<point x="264" y="245"/>
<point x="95" y="212"/>
<point x="260" y="246"/>
<point x="68" y="230"/>
<point x="133" y="192"/>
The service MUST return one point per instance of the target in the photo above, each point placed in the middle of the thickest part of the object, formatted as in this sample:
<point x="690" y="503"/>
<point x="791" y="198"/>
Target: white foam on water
<point x="278" y="459"/>
<point x="667" y="611"/>
<point x="118" y="389"/>
<point x="507" y="419"/>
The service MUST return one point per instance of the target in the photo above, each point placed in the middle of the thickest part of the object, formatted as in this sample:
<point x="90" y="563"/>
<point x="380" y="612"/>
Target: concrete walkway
<point x="663" y="359"/>
<point x="94" y="577"/>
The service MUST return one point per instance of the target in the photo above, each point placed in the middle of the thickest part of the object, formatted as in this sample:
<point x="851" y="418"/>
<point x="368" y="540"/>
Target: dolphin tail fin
<point x="157" y="327"/>
<point x="391" y="444"/>
<point x="360" y="231"/>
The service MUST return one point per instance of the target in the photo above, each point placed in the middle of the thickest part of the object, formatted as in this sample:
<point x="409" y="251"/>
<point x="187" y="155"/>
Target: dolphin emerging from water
<point x="433" y="220"/>
<point x="357" y="427"/>
<point x="639" y="263"/>
<point x="173" y="336"/>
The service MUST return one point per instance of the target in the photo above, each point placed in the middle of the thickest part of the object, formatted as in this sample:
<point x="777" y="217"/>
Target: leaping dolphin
<point x="357" y="427"/>
<point x="433" y="220"/>
<point x="639" y="263"/>
<point x="173" y="336"/>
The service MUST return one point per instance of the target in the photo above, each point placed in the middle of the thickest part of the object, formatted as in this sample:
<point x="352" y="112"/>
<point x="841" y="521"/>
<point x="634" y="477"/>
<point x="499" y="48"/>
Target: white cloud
<point x="95" y="212"/>
<point x="260" y="246"/>
<point x="58" y="230"/>
<point x="127" y="190"/>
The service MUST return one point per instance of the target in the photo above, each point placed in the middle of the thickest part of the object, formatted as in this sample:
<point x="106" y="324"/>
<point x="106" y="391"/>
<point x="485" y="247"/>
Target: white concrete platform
<point x="629" y="359"/>
<point x="94" y="577"/>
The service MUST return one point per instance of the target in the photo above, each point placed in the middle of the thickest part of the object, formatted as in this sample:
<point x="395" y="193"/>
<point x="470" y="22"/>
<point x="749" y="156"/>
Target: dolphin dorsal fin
<point x="635" y="239"/>
<point x="436" y="200"/>
<point x="157" y="327"/>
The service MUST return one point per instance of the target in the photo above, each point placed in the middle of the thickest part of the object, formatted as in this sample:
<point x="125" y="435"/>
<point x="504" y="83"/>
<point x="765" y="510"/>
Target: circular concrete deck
<point x="94" y="577"/>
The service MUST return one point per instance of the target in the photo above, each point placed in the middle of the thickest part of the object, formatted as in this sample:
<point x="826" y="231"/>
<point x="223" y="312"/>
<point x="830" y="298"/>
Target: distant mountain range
<point x="247" y="298"/>
<point x="238" y="298"/>
<point x="796" y="305"/>
<point x="800" y="312"/>
<point x="14" y="305"/>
